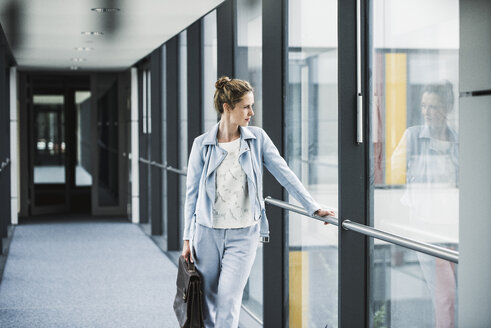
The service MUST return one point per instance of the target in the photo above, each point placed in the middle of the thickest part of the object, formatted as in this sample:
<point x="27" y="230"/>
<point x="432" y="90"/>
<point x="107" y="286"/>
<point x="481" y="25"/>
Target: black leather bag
<point x="188" y="304"/>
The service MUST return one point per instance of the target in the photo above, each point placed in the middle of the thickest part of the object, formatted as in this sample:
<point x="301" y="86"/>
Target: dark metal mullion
<point x="30" y="119"/>
<point x="143" y="153"/>
<point x="93" y="137"/>
<point x="274" y="70"/>
<point x="124" y="112"/>
<point x="3" y="149"/>
<point x="4" y="146"/>
<point x="34" y="208"/>
<point x="172" y="139"/>
<point x="156" y="140"/>
<point x="225" y="39"/>
<point x="353" y="192"/>
<point x="25" y="184"/>
<point x="70" y="110"/>
<point x="195" y="81"/>
<point x="148" y="142"/>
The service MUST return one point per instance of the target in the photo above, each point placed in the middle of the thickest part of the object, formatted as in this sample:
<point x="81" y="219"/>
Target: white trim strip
<point x="149" y="102"/>
<point x="14" y="149"/>
<point x="135" y="154"/>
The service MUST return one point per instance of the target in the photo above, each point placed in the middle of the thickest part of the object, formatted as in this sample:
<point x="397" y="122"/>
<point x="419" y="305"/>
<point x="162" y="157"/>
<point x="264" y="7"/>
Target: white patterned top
<point x="232" y="205"/>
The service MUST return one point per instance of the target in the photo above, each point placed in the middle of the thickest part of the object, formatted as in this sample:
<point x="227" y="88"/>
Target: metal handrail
<point x="141" y="159"/>
<point x="173" y="169"/>
<point x="4" y="164"/>
<point x="433" y="250"/>
<point x="163" y="166"/>
<point x="300" y="210"/>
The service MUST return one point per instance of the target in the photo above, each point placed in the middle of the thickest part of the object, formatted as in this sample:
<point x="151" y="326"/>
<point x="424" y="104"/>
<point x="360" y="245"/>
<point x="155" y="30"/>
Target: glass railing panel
<point x="411" y="289"/>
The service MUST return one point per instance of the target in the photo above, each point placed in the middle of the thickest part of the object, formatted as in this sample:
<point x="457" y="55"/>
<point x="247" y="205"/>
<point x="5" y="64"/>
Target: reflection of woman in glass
<point x="224" y="210"/>
<point x="429" y="155"/>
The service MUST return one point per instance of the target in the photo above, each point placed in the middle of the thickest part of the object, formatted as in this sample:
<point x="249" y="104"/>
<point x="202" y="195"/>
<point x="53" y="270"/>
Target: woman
<point x="429" y="155"/>
<point x="224" y="210"/>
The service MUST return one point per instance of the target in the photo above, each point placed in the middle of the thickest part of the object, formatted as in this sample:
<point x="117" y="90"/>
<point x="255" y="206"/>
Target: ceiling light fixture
<point x="78" y="59"/>
<point x="105" y="10"/>
<point x="92" y="33"/>
<point x="84" y="48"/>
<point x="74" y="68"/>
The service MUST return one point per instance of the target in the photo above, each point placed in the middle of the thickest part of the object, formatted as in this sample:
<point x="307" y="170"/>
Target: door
<point x="110" y="110"/>
<point x="58" y="160"/>
<point x="48" y="169"/>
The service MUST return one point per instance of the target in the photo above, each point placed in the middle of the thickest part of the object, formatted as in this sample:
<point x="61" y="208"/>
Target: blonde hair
<point x="229" y="91"/>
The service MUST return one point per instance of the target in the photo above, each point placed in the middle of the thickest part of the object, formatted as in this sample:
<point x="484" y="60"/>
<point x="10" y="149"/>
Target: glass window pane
<point x="83" y="175"/>
<point x="108" y="147"/>
<point x="183" y="122"/>
<point x="209" y="68"/>
<point x="408" y="287"/>
<point x="414" y="49"/>
<point x="248" y="66"/>
<point x="49" y="138"/>
<point x="311" y="140"/>
<point x="248" y="50"/>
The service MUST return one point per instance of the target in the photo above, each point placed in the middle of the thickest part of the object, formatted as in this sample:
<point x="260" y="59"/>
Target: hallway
<point x="86" y="274"/>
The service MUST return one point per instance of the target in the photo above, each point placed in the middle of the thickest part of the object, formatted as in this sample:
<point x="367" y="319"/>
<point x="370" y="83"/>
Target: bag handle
<point x="190" y="266"/>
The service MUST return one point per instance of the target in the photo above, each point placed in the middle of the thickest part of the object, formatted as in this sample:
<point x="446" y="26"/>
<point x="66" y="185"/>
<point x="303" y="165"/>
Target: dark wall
<point x="6" y="61"/>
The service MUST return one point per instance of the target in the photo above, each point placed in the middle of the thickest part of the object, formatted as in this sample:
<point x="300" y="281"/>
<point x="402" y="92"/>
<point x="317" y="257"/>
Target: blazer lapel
<point x="245" y="161"/>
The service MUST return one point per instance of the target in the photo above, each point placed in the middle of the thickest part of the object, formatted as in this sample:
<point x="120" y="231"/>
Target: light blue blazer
<point x="256" y="148"/>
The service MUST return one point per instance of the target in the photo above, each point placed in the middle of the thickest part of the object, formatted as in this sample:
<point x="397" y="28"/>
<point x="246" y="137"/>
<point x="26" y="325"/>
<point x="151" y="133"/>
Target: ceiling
<point x="47" y="34"/>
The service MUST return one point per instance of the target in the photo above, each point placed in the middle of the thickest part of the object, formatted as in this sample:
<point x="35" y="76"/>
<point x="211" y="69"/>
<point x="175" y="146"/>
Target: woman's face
<point x="433" y="111"/>
<point x="243" y="111"/>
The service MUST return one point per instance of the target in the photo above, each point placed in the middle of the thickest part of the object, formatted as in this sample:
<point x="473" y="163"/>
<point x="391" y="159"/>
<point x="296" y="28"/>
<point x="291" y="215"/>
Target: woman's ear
<point x="226" y="107"/>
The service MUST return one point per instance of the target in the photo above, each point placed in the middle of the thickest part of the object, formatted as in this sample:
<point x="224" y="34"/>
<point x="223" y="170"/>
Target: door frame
<point x="36" y="209"/>
<point x="47" y="82"/>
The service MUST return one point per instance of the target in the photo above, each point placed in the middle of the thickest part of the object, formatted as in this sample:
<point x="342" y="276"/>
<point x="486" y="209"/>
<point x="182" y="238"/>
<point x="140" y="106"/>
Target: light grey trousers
<point x="224" y="257"/>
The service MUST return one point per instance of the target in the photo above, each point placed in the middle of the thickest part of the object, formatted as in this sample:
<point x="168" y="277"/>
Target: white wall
<point x="475" y="213"/>
<point x="474" y="287"/>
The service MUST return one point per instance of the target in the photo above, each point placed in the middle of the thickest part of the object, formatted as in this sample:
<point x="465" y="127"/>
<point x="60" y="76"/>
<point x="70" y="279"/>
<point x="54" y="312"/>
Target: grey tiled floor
<point x="86" y="274"/>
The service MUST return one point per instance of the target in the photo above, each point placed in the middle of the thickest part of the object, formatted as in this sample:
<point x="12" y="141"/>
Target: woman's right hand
<point x="186" y="251"/>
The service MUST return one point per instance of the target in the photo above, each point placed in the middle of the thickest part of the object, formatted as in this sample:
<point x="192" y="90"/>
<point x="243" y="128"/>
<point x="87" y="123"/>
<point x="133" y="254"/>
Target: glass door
<point x="105" y="188"/>
<point x="49" y="188"/>
<point x="83" y="164"/>
<point x="108" y="108"/>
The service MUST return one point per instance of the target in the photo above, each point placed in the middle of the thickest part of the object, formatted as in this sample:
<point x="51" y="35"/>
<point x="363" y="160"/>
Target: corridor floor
<point x="86" y="274"/>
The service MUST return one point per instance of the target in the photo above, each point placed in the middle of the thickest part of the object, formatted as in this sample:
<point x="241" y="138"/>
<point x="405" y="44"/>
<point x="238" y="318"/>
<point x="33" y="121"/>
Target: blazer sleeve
<point x="195" y="169"/>
<point x="285" y="176"/>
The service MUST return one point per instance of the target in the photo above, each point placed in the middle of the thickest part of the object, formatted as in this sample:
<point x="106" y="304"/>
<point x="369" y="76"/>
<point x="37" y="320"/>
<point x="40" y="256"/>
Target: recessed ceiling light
<point x="105" y="10"/>
<point x="92" y="33"/>
<point x="78" y="59"/>
<point x="74" y="68"/>
<point x="84" y="48"/>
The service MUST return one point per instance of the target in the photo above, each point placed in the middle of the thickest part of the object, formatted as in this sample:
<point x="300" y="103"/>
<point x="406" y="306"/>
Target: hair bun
<point x="220" y="83"/>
